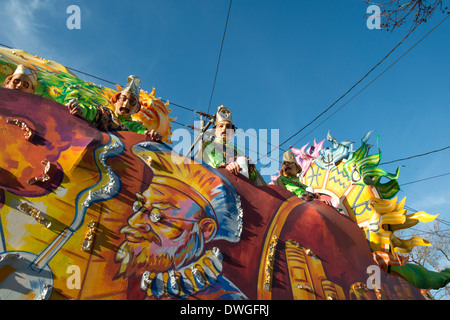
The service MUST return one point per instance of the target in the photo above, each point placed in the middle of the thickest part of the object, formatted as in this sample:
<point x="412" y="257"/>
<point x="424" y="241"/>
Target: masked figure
<point x="289" y="172"/>
<point x="220" y="153"/>
<point x="22" y="79"/>
<point x="126" y="103"/>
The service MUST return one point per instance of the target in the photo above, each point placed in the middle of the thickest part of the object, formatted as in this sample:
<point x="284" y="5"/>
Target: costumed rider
<point x="289" y="172"/>
<point x="126" y="103"/>
<point x="289" y="179"/>
<point x="220" y="153"/>
<point x="22" y="79"/>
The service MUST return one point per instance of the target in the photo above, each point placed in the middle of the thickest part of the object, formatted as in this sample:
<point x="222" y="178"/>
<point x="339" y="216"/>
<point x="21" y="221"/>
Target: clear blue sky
<point x="282" y="64"/>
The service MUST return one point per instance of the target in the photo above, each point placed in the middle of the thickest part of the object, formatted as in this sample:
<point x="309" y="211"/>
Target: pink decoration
<point x="304" y="159"/>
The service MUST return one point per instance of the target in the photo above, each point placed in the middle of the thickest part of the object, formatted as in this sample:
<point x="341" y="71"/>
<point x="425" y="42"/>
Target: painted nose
<point x="137" y="221"/>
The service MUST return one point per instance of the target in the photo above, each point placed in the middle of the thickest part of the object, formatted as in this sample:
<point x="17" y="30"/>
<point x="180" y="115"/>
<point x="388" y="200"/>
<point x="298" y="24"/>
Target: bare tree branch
<point x="396" y="13"/>
<point x="434" y="257"/>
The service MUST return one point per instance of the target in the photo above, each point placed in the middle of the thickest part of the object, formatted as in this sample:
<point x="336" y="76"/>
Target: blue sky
<point x="283" y="63"/>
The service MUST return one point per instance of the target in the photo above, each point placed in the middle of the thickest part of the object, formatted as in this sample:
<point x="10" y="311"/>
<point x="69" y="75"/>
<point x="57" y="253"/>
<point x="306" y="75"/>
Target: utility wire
<point x="438" y="176"/>
<point x="4" y="45"/>
<point x="192" y="110"/>
<point x="110" y="82"/>
<point x="354" y="96"/>
<point x="359" y="81"/>
<point x="441" y="232"/>
<point x="191" y="127"/>
<point x="220" y="54"/>
<point x="90" y="75"/>
<point x="165" y="101"/>
<point x="417" y="155"/>
<point x="445" y="222"/>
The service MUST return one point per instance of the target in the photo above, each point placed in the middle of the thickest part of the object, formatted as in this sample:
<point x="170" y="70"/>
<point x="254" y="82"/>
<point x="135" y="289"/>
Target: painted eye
<point x="155" y="215"/>
<point x="137" y="206"/>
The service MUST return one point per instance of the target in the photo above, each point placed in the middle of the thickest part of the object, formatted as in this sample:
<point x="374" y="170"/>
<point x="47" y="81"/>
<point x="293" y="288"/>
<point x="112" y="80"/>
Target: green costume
<point x="106" y="120"/>
<point x="219" y="153"/>
<point x="215" y="154"/>
<point x="291" y="184"/>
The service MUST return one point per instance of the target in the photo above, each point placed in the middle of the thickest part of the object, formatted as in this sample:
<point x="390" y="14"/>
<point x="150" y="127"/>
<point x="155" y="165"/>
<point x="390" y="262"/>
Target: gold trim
<point x="300" y="278"/>
<point x="264" y="292"/>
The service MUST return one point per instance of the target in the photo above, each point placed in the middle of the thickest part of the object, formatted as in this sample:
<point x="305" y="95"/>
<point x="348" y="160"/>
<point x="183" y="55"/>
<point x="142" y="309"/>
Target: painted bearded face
<point x="166" y="231"/>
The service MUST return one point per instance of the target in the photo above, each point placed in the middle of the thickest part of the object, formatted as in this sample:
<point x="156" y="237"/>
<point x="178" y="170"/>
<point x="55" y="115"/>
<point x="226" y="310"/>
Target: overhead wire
<point x="220" y="54"/>
<point x="4" y="45"/>
<point x="445" y="222"/>
<point x="417" y="155"/>
<point x="164" y="101"/>
<point x="365" y="76"/>
<point x="390" y="66"/>
<point x="266" y="155"/>
<point x="192" y="110"/>
<point x="425" y="179"/>
<point x="112" y="83"/>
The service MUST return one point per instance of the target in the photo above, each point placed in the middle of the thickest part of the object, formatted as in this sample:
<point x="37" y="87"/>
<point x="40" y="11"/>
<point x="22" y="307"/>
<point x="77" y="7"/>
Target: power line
<point x="354" y="96"/>
<point x="438" y="176"/>
<point x="220" y="54"/>
<point x="445" y="222"/>
<point x="183" y="125"/>
<point x="441" y="232"/>
<point x="112" y="83"/>
<point x="4" y="45"/>
<point x="90" y="75"/>
<point x="359" y="81"/>
<point x="171" y="103"/>
<point x="417" y="155"/>
<point x="246" y="148"/>
<point x="192" y="110"/>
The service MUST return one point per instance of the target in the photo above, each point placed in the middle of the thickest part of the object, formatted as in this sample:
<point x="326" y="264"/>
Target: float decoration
<point x="116" y="217"/>
<point x="353" y="181"/>
<point x="57" y="83"/>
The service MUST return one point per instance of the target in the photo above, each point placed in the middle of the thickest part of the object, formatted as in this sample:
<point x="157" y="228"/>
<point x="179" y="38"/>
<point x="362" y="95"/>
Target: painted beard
<point x="135" y="258"/>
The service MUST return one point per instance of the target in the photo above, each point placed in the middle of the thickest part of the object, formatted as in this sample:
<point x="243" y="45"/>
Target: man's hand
<point x="328" y="202"/>
<point x="233" y="167"/>
<point x="153" y="135"/>
<point x="74" y="108"/>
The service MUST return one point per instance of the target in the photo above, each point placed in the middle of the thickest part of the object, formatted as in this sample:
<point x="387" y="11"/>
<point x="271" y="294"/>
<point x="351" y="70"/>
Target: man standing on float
<point x="220" y="153"/>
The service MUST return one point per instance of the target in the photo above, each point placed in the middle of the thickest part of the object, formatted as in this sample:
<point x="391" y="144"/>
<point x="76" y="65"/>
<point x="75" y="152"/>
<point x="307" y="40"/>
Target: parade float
<point x="90" y="215"/>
